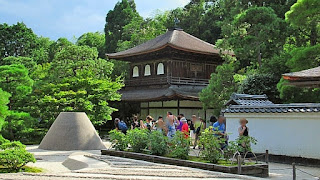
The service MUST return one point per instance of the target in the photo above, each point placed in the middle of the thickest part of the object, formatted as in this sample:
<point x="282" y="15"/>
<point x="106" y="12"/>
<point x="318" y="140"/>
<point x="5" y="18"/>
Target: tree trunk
<point x="313" y="34"/>
<point x="259" y="57"/>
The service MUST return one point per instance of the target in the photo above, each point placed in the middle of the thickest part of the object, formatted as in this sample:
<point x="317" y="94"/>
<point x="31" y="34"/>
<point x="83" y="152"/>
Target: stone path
<point x="77" y="165"/>
<point x="284" y="172"/>
<point x="90" y="165"/>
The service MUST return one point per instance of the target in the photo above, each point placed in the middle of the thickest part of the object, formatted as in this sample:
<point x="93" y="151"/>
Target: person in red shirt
<point x="185" y="127"/>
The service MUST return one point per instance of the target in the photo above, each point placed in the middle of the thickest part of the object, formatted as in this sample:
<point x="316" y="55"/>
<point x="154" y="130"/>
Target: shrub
<point x="212" y="146"/>
<point x="235" y="146"/>
<point x="118" y="139"/>
<point x="157" y="143"/>
<point x="179" y="146"/>
<point x="138" y="139"/>
<point x="246" y="141"/>
<point x="3" y="140"/>
<point x="13" y="156"/>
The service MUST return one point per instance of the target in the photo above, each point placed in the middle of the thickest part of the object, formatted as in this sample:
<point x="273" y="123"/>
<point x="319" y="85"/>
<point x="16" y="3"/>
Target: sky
<point x="71" y="18"/>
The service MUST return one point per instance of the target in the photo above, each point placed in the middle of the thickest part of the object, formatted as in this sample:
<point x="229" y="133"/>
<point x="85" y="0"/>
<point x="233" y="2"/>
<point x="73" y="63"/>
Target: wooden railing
<point x="167" y="80"/>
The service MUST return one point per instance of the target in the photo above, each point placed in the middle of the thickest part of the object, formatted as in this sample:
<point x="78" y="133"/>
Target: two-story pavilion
<point x="168" y="72"/>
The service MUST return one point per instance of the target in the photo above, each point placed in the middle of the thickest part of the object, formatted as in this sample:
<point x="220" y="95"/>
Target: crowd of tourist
<point x="192" y="128"/>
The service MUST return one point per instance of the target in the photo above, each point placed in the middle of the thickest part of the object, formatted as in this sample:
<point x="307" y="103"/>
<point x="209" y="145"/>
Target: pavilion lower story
<point x="158" y="101"/>
<point x="186" y="107"/>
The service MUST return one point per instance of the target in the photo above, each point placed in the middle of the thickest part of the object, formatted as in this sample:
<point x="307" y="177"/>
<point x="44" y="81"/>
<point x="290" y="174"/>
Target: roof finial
<point x="176" y="22"/>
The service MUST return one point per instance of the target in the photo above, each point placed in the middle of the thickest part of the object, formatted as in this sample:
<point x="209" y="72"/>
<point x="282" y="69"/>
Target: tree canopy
<point x="122" y="14"/>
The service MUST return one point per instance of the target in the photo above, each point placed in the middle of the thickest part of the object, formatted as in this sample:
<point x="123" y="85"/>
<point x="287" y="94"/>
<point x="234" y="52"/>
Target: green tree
<point x="140" y="30"/>
<point x="16" y="40"/>
<point x="291" y="94"/>
<point x="57" y="46"/>
<point x="302" y="49"/>
<point x="261" y="84"/>
<point x="76" y="80"/>
<point x="256" y="35"/>
<point x="221" y="86"/>
<point x="200" y="18"/>
<point x="41" y="53"/>
<point x="26" y="61"/>
<point x="122" y="14"/>
<point x="15" y="80"/>
<point x="96" y="39"/>
<point x="305" y="14"/>
<point x="4" y="100"/>
<point x="304" y="58"/>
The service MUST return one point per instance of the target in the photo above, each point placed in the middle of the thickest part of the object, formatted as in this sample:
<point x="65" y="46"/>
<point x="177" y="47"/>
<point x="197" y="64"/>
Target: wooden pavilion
<point x="305" y="78"/>
<point x="168" y="72"/>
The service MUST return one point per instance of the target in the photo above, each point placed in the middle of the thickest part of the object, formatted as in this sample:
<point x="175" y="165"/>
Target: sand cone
<point x="72" y="131"/>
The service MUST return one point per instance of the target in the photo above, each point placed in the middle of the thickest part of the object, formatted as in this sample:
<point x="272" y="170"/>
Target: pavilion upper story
<point x="175" y="57"/>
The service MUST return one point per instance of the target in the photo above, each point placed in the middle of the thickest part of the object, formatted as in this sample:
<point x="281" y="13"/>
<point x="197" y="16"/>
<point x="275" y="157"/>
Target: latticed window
<point x="135" y="71"/>
<point x="160" y="69"/>
<point x="147" y="71"/>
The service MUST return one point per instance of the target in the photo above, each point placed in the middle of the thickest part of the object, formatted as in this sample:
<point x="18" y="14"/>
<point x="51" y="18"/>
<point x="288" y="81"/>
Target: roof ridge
<point x="171" y="37"/>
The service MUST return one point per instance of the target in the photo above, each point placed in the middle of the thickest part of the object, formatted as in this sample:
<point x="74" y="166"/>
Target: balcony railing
<point x="167" y="80"/>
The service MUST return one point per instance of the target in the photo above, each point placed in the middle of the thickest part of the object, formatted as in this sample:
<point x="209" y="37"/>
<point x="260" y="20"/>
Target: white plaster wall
<point x="291" y="134"/>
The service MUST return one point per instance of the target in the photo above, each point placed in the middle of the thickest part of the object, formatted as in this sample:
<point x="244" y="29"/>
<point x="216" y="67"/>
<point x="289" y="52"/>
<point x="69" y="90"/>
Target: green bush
<point x="246" y="141"/>
<point x="3" y="140"/>
<point x="157" y="143"/>
<point x="138" y="139"/>
<point x="13" y="156"/>
<point x="118" y="140"/>
<point x="19" y="126"/>
<point x="212" y="146"/>
<point x="179" y="146"/>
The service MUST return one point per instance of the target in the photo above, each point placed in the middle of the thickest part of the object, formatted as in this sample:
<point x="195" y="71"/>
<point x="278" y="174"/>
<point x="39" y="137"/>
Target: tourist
<point x="200" y="126"/>
<point x="185" y="127"/>
<point x="219" y="129"/>
<point x="179" y="127"/>
<point x="213" y="119"/>
<point x="170" y="126"/>
<point x="244" y="132"/>
<point x="135" y="123"/>
<point x="243" y="129"/>
<point x="148" y="123"/>
<point x="120" y="125"/>
<point x="192" y="129"/>
<point x="159" y="125"/>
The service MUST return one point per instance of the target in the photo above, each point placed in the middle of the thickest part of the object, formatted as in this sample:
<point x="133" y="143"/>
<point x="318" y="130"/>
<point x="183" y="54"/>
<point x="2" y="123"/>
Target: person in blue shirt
<point x="219" y="126"/>
<point x="219" y="129"/>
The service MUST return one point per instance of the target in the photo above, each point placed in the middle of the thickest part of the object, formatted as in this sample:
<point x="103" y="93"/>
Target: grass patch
<point x="220" y="162"/>
<point x="23" y="169"/>
<point x="32" y="169"/>
<point x="197" y="159"/>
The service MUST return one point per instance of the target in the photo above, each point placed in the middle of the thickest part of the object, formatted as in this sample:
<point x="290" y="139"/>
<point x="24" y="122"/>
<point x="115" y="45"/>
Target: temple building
<point x="305" y="78"/>
<point x="168" y="72"/>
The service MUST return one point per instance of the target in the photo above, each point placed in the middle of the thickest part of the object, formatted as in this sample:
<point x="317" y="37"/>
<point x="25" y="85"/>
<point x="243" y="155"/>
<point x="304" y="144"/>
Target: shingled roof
<point x="305" y="78"/>
<point x="187" y="92"/>
<point x="177" y="39"/>
<point x="245" y="103"/>
<point x="274" y="108"/>
<point x="247" y="99"/>
<point x="309" y="73"/>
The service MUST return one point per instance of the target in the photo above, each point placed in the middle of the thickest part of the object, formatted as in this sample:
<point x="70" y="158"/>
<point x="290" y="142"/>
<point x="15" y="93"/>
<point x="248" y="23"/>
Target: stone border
<point x="311" y="162"/>
<point x="258" y="170"/>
